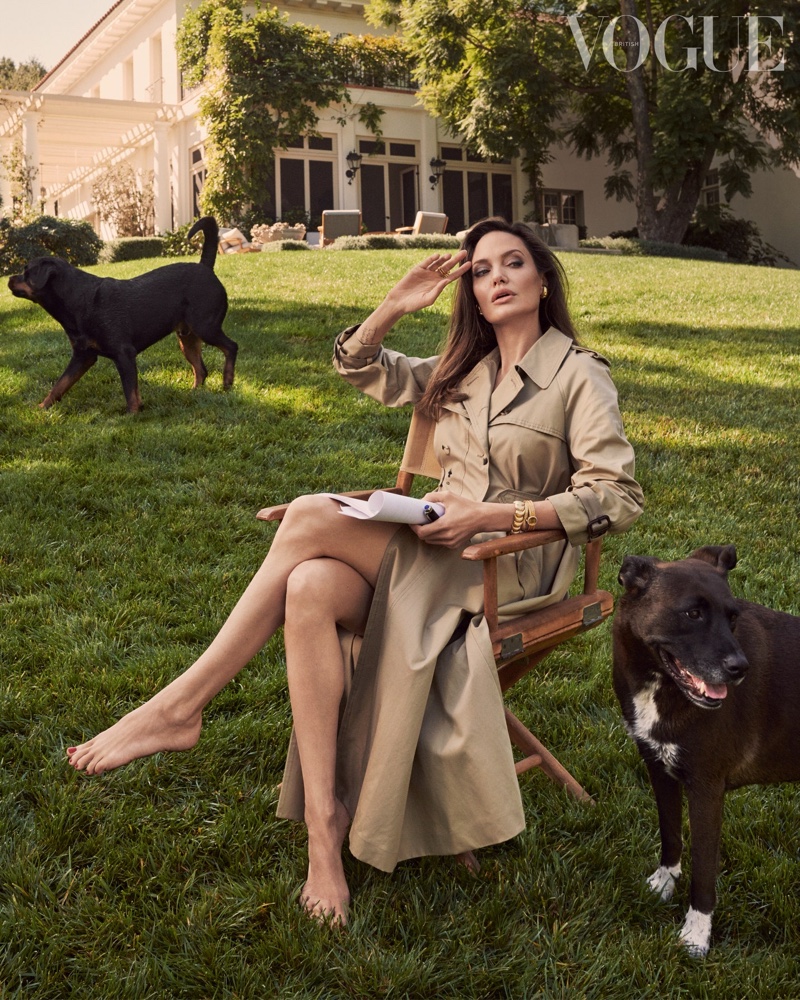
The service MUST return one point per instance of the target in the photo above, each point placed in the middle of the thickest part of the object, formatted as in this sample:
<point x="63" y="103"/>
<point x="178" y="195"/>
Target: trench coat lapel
<point x="540" y="364"/>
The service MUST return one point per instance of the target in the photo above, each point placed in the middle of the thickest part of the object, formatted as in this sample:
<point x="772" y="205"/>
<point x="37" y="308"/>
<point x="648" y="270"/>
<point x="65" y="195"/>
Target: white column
<point x="349" y="194"/>
<point x="430" y="201"/>
<point x="161" y="176"/>
<point x="30" y="147"/>
<point x="6" y="146"/>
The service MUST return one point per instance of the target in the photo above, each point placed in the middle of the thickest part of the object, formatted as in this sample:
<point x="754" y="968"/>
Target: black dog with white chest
<point x="709" y="687"/>
<point x="111" y="318"/>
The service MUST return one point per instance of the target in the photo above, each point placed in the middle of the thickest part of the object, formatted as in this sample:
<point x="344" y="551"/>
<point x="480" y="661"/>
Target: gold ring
<point x="444" y="274"/>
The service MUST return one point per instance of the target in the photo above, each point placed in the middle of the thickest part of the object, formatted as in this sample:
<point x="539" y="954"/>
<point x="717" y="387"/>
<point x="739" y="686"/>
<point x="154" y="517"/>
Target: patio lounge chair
<point x="425" y="223"/>
<point x="339" y="222"/>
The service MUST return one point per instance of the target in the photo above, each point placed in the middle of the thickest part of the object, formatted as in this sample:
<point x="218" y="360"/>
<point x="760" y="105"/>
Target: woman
<point x="529" y="437"/>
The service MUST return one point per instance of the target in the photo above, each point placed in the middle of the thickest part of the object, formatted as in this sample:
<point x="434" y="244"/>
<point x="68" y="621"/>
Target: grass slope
<point x="125" y="540"/>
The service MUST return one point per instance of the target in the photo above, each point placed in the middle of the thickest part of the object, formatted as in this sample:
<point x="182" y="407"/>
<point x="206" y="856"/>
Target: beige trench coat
<point x="424" y="764"/>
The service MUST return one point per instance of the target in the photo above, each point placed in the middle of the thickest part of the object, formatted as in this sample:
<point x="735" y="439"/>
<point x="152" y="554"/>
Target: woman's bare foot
<point x="469" y="861"/>
<point x="325" y="896"/>
<point x="152" y="727"/>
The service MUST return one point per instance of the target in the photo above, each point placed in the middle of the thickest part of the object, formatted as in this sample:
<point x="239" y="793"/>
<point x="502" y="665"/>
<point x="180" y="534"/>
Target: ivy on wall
<point x="266" y="81"/>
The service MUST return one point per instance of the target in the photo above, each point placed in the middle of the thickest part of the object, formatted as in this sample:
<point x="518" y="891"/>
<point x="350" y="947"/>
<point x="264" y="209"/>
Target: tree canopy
<point x="657" y="93"/>
<point x="24" y="76"/>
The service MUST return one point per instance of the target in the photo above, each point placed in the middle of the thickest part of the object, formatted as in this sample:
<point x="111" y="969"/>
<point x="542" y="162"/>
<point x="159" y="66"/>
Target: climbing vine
<point x="265" y="83"/>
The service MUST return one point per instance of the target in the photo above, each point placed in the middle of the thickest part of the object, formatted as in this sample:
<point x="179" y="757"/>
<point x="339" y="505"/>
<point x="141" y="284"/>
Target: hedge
<point x="47" y="236"/>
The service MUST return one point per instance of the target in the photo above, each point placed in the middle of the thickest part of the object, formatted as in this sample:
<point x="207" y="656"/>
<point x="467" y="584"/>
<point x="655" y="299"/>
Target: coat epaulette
<point x="594" y="354"/>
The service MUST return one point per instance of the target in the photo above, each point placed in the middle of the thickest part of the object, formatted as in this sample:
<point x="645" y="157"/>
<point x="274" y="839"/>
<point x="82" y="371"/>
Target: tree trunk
<point x="531" y="168"/>
<point x="637" y="91"/>
<point x="678" y="203"/>
<point x="667" y="217"/>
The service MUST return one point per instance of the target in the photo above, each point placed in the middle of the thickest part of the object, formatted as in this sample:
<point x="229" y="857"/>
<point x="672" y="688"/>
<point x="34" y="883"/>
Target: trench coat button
<point x="446" y="449"/>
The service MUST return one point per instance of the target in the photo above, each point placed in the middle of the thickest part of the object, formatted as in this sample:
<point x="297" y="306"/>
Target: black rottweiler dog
<point x="709" y="687"/>
<point x="106" y="317"/>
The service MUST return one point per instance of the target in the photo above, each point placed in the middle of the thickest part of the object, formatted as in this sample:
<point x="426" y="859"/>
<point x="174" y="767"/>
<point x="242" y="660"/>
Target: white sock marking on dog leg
<point x="696" y="933"/>
<point x="662" y="881"/>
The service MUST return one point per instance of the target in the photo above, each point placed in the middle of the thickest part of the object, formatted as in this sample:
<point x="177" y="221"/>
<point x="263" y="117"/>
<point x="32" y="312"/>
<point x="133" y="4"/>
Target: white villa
<point x="117" y="95"/>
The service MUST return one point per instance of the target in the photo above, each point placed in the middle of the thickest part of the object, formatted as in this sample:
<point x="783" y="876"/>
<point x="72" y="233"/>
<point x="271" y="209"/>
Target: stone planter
<point x="279" y="231"/>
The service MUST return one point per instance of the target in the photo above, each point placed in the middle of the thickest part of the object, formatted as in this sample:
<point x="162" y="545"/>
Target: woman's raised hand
<point x="424" y="283"/>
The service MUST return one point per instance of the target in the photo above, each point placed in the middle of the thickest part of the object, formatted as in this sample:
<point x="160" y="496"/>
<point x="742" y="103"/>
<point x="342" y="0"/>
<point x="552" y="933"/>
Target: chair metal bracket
<point x="512" y="646"/>
<point x="592" y="614"/>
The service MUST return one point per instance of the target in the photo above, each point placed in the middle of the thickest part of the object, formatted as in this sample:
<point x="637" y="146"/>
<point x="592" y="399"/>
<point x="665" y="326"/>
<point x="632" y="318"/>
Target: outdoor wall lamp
<point x="354" y="162"/>
<point x="438" y="167"/>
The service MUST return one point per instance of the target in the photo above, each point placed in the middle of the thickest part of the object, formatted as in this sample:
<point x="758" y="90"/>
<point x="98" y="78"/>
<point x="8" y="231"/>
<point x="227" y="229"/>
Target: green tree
<point x="511" y="77"/>
<point x="486" y="70"/>
<point x="265" y="82"/>
<point x="264" y="78"/>
<point x="24" y="76"/>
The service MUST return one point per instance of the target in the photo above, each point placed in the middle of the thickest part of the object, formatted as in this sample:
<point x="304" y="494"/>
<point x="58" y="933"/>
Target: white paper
<point x="383" y="506"/>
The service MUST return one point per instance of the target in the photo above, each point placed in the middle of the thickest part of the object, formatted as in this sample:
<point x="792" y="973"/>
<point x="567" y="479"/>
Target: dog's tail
<point x="210" y="229"/>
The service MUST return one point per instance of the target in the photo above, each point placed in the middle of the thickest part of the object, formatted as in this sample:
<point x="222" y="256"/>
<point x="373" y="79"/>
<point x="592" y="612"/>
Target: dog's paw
<point x="662" y="881"/>
<point x="696" y="933"/>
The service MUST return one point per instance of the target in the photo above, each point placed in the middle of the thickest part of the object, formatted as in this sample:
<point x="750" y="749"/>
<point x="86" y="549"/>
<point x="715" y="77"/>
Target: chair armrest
<point x="277" y="513"/>
<point x="512" y="543"/>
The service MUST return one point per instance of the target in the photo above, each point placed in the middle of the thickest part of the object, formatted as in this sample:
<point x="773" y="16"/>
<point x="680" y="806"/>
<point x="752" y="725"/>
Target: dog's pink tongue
<point x="717" y="691"/>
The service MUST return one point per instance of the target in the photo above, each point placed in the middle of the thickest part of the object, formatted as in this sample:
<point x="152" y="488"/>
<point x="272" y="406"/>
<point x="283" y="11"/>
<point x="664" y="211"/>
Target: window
<point x="388" y="183"/>
<point x="371" y="147"/>
<point x="293" y="186"/>
<point x="127" y="80"/>
<point x="198" y="172"/>
<point x="155" y="89"/>
<point x="305" y="179"/>
<point x="474" y="187"/>
<point x="709" y="195"/>
<point x="561" y="207"/>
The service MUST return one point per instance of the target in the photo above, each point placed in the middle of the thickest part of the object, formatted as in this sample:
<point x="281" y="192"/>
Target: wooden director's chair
<point x="518" y="644"/>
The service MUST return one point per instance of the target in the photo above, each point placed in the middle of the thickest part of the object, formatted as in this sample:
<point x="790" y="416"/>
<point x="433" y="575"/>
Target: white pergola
<point x="69" y="141"/>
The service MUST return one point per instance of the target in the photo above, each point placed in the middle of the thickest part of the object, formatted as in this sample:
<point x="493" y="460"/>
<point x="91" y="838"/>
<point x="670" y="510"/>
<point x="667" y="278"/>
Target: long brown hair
<point x="470" y="336"/>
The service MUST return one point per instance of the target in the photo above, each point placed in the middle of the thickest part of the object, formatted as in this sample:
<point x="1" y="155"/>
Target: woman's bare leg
<point x="313" y="528"/>
<point x="320" y="594"/>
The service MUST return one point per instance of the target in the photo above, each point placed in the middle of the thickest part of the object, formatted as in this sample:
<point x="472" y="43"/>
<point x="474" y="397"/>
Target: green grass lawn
<point x="124" y="541"/>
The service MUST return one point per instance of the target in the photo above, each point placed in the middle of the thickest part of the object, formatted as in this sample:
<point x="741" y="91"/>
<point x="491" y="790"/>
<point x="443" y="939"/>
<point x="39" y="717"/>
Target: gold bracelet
<point x="524" y="517"/>
<point x="530" y="515"/>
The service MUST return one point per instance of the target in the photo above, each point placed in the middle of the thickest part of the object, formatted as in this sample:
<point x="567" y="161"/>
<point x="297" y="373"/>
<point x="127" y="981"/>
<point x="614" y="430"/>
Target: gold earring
<point x="544" y="291"/>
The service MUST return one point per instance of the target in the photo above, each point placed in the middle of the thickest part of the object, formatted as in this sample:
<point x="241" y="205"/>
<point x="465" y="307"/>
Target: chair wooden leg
<point x="540" y="756"/>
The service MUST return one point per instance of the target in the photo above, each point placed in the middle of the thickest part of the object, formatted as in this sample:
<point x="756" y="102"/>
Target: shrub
<point x="388" y="242"/>
<point x="718" y="228"/>
<point x="124" y="197"/>
<point x="285" y="245"/>
<point x="47" y="236"/>
<point x="131" y="248"/>
<point x="177" y="244"/>
<point x="651" y="248"/>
